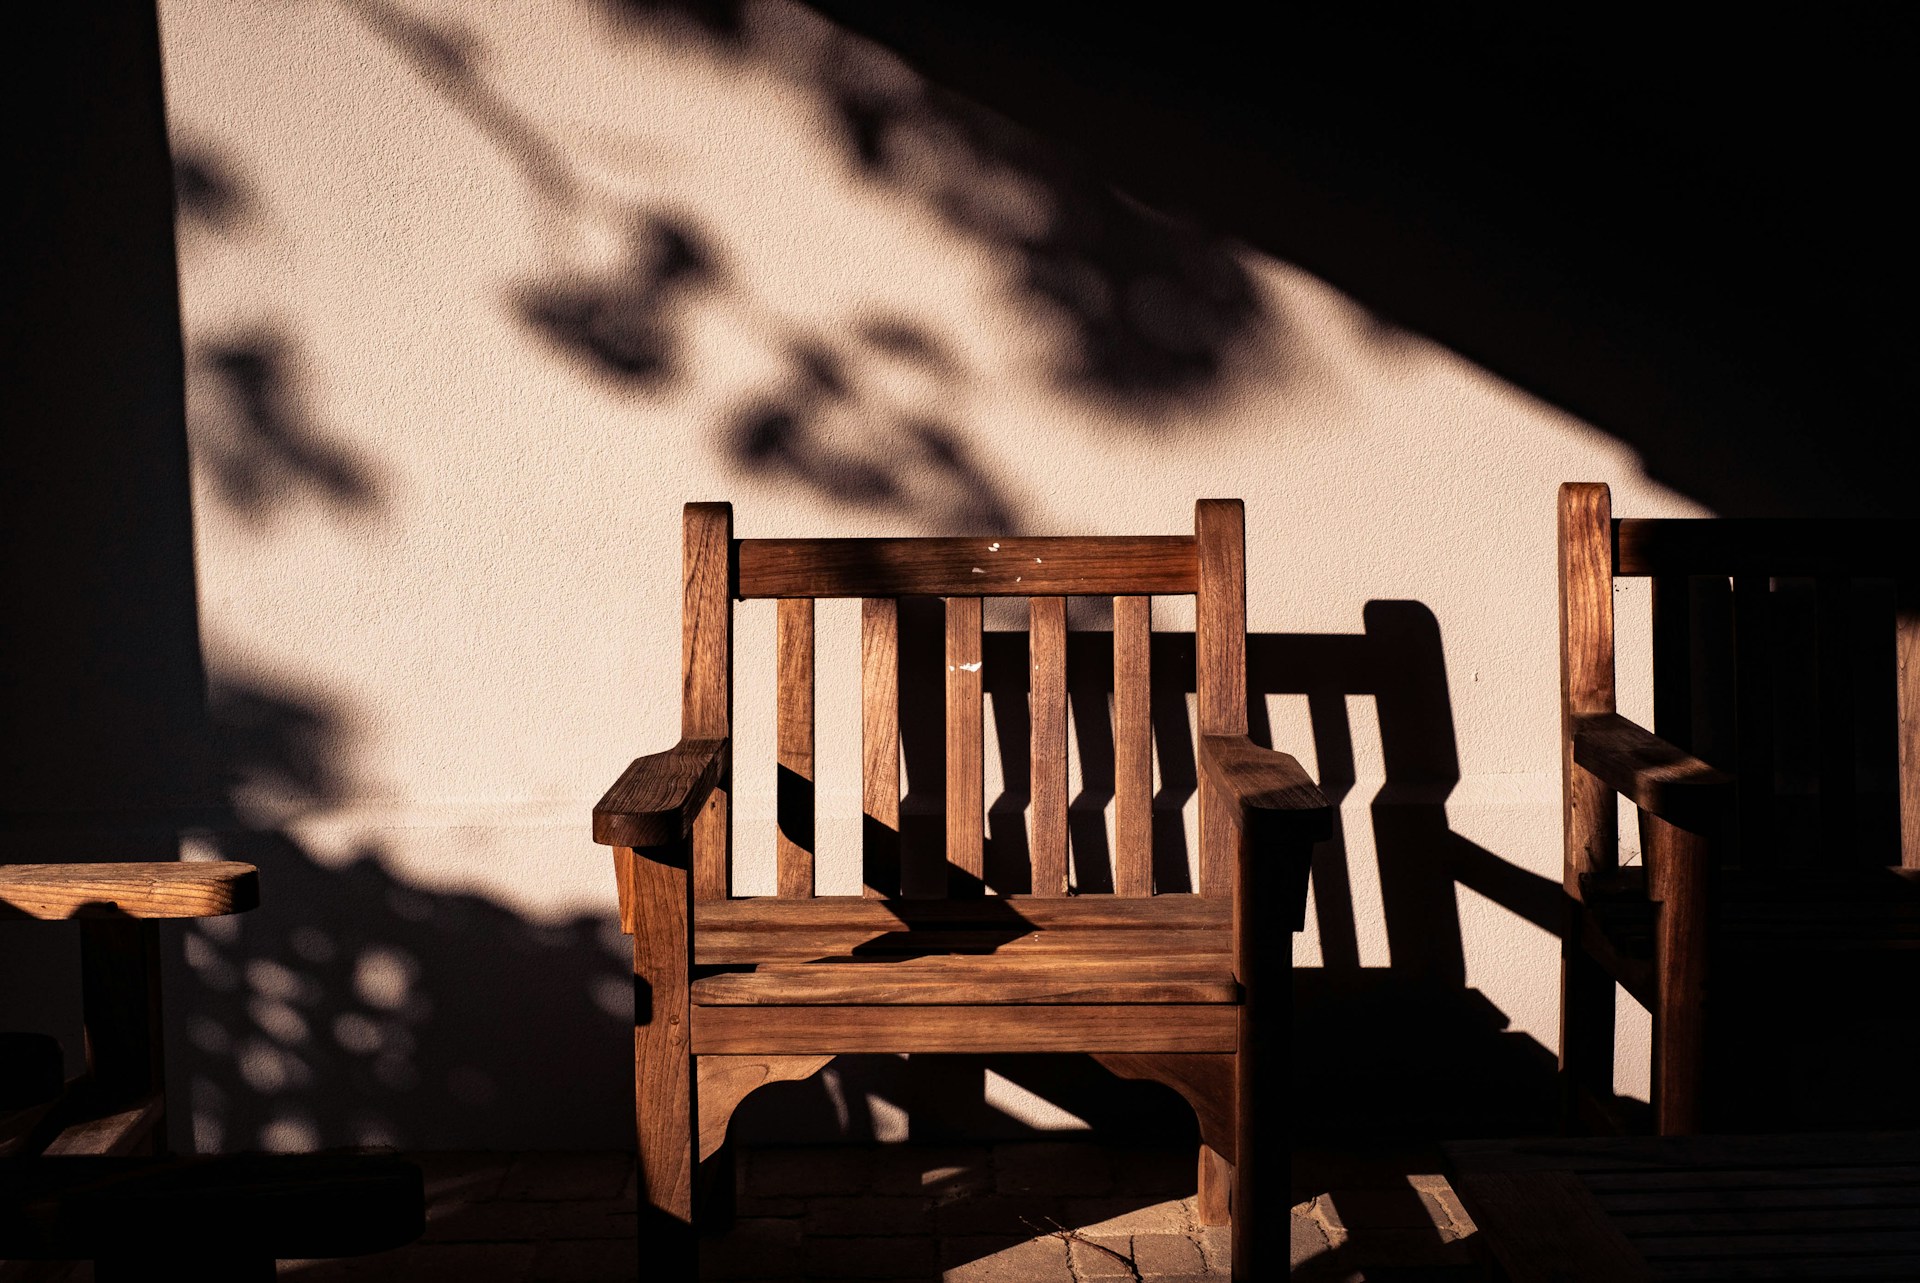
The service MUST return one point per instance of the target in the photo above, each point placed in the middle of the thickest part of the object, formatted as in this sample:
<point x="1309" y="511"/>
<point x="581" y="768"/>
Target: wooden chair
<point x="1188" y="989"/>
<point x="1777" y="646"/>
<point x="84" y="1173"/>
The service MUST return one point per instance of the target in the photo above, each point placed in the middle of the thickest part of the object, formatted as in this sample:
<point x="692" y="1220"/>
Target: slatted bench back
<point x="1210" y="564"/>
<point x="1735" y="604"/>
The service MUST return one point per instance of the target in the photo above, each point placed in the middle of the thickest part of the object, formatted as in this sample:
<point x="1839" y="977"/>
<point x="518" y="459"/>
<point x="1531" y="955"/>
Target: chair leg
<point x="1586" y="1029"/>
<point x="1678" y="864"/>
<point x="663" y="1066"/>
<point x="1212" y="1205"/>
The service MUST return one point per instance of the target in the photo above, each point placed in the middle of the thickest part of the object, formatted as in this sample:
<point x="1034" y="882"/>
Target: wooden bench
<point x="1764" y="860"/>
<point x="1188" y="989"/>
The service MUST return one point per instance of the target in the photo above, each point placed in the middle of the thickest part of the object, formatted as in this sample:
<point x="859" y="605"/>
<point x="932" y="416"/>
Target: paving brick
<point x="1158" y="1254"/>
<point x="1047" y="1167"/>
<point x="1404" y="1248"/>
<point x="755" y="1248"/>
<point x="1095" y="1258"/>
<point x="1309" y="1241"/>
<point x="1404" y="1208"/>
<point x="998" y="1214"/>
<point x="803" y="1173"/>
<point x="869" y="1214"/>
<point x="562" y="1175"/>
<point x="995" y="1260"/>
<point x="1216" y="1245"/>
<point x="942" y="1171"/>
<point x="867" y="1258"/>
<point x="1103" y="1216"/>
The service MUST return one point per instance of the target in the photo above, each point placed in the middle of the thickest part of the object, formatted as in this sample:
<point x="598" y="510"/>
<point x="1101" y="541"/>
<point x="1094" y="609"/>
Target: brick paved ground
<point x="1020" y="1213"/>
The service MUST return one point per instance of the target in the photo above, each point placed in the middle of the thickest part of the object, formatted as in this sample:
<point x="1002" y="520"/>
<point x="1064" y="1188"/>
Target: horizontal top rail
<point x="1765" y="546"/>
<point x="967" y="567"/>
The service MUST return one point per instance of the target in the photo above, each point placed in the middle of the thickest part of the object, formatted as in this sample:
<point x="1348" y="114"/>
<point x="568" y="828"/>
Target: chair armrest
<point x="1659" y="778"/>
<point x="158" y="889"/>
<point x="1270" y="793"/>
<point x="655" y="800"/>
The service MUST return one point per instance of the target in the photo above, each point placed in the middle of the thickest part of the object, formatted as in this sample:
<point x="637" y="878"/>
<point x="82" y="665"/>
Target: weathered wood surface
<point x="1132" y="747"/>
<point x="170" y="889"/>
<point x="966" y="749"/>
<point x="1655" y="775"/>
<point x="1266" y="793"/>
<point x="662" y="1047"/>
<point x="793" y="734"/>
<point x="1007" y="944"/>
<point x="1220" y="669"/>
<point x="1026" y="912"/>
<point x="964" y="1030"/>
<point x="880" y="746"/>
<point x="658" y="799"/>
<point x="706" y="680"/>
<point x="725" y="1081"/>
<point x="973" y="980"/>
<point x="1047" y="710"/>
<point x="1720" y="1207"/>
<point x="969" y="567"/>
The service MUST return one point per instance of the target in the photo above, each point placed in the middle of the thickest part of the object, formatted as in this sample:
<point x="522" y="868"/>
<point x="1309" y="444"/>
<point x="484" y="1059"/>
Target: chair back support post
<point x="1586" y="673"/>
<point x="1220" y="669"/>
<point x="706" y="690"/>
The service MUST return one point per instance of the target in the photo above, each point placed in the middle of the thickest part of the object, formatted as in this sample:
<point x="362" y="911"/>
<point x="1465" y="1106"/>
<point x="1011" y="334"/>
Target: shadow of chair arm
<point x="1271" y="795"/>
<point x="1660" y="778"/>
<point x="655" y="800"/>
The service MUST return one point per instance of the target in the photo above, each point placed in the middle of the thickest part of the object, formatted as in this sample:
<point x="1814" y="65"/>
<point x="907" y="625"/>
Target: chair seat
<point x="845" y="951"/>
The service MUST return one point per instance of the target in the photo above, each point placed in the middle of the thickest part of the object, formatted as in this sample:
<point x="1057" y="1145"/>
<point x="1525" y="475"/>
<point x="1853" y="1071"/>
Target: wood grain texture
<point x="1655" y="775"/>
<point x="966" y="749"/>
<point x="962" y="1030"/>
<point x="967" y="567"/>
<point x="1220" y="667"/>
<point x="1586" y="672"/>
<point x="1061" y="978"/>
<point x="793" y="734"/>
<point x="1265" y="794"/>
<point x="1132" y="747"/>
<point x="659" y="798"/>
<point x="1678" y="879"/>
<point x="759" y="914"/>
<point x="161" y="889"/>
<point x="725" y="1081"/>
<point x="1763" y="546"/>
<point x="1047" y="714"/>
<point x="1213" y="1188"/>
<point x="880" y="746"/>
<point x="662" y="1046"/>
<point x="706" y="692"/>
<point x="1753" y="716"/>
<point x="1204" y="1081"/>
<point x="1907" y="657"/>
<point x="1009" y="946"/>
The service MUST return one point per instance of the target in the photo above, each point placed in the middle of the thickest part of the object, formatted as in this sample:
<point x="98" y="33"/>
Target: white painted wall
<point x="463" y="545"/>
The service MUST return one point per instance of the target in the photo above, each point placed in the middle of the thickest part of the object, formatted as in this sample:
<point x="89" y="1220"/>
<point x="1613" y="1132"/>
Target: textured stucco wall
<point x="476" y="295"/>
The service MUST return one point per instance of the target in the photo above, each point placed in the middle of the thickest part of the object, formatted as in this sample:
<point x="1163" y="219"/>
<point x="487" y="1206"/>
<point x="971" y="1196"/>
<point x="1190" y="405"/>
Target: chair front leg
<point x="1678" y="869"/>
<point x="659" y="900"/>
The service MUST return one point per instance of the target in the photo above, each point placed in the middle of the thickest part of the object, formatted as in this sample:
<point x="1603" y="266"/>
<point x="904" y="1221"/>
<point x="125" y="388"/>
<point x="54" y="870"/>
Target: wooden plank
<point x="1834" y="660"/>
<point x="706" y="691"/>
<point x="1753" y="713"/>
<point x="1220" y="668"/>
<point x="160" y="889"/>
<point x="1586" y="674"/>
<point x="1544" y="1227"/>
<point x="1907" y="656"/>
<point x="1761" y="1201"/>
<point x="966" y="567"/>
<point x="1656" y="776"/>
<point x="1162" y="912"/>
<point x="659" y="798"/>
<point x="966" y="750"/>
<point x="725" y="1081"/>
<point x="1047" y="712"/>
<point x="880" y="746"/>
<point x="662" y="1049"/>
<point x="1763" y="546"/>
<point x="972" y="980"/>
<point x="1212" y="1199"/>
<point x="962" y="1030"/>
<point x="729" y="948"/>
<point x="793" y="733"/>
<point x="1132" y="747"/>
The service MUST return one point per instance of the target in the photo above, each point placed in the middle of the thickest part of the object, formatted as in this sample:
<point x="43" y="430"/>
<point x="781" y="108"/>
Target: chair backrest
<point x="1786" y="651"/>
<point x="719" y="569"/>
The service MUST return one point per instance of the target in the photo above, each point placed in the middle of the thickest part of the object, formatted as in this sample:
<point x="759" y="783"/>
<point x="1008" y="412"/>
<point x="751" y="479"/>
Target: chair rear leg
<point x="1212" y="1205"/>
<point x="1586" y="1031"/>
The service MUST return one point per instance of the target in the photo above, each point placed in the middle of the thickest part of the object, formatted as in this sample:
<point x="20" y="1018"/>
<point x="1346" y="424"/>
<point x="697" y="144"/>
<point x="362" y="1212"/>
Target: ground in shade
<point x="1020" y="1213"/>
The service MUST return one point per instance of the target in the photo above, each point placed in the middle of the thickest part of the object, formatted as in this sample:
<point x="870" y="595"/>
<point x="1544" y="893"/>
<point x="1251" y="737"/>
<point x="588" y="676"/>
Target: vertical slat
<point x="1753" y="701"/>
<point x="1907" y="652"/>
<point x="1835" y="675"/>
<point x="1132" y="747"/>
<point x="1047" y="710"/>
<point x="1673" y="659"/>
<point x="1220" y="668"/>
<point x="880" y="745"/>
<point x="966" y="750"/>
<point x="794" y="794"/>
<point x="706" y="667"/>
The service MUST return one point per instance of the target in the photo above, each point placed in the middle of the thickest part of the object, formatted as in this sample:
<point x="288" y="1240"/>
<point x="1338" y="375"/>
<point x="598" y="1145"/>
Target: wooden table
<point x="1837" y="1206"/>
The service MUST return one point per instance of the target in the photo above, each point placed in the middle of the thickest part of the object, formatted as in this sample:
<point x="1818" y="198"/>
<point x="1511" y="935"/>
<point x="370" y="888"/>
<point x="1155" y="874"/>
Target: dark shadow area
<point x="1682" y="232"/>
